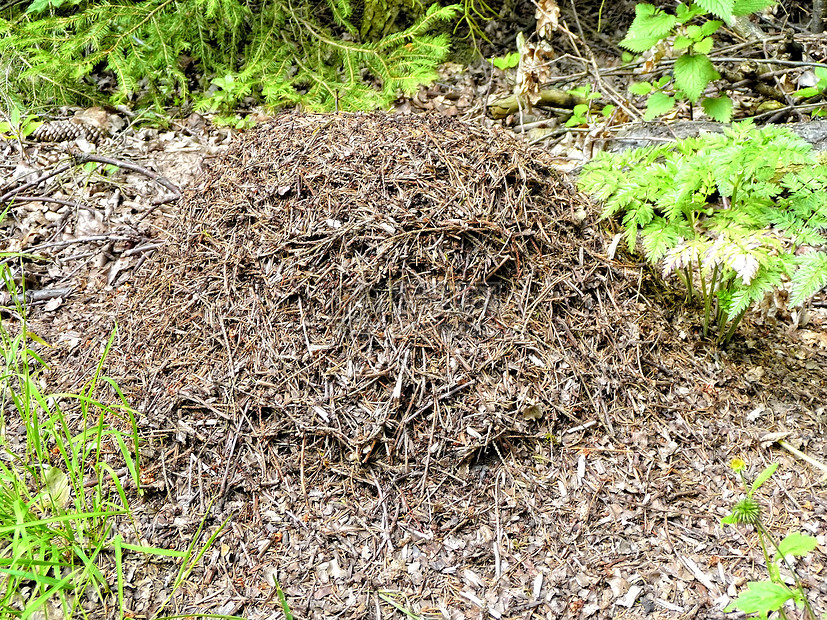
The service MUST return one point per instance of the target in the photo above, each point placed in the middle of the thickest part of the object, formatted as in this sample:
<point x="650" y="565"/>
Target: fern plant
<point x="218" y="52"/>
<point x="731" y="215"/>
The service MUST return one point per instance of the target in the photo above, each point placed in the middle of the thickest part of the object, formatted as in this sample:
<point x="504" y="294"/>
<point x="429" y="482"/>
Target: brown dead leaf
<point x="533" y="70"/>
<point x="547" y="14"/>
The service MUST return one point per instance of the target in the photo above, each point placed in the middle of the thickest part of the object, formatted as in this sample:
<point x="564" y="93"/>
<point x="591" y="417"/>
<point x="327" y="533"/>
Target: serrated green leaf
<point x="797" y="544"/>
<point x="704" y="46"/>
<point x="640" y="88"/>
<point x="692" y="74"/>
<point x="719" y="8"/>
<point x="684" y="13"/>
<point x="718" y="108"/>
<point x="681" y="43"/>
<point x="639" y="43"/>
<point x="658" y="238"/>
<point x="659" y="103"/>
<point x="746" y="7"/>
<point x="761" y="597"/>
<point x="711" y="27"/>
<point x="649" y="26"/>
<point x="744" y="296"/>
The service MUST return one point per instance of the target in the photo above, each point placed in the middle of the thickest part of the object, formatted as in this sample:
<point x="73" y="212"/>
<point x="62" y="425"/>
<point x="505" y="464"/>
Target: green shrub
<point x="279" y="53"/>
<point x="731" y="215"/>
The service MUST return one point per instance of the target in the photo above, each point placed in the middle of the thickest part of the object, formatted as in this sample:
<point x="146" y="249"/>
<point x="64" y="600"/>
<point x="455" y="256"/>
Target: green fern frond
<point x="809" y="277"/>
<point x="726" y="211"/>
<point x="740" y="299"/>
<point x="659" y="236"/>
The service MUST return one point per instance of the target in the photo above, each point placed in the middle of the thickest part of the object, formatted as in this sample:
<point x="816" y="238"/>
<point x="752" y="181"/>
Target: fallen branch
<point x="45" y="294"/>
<point x="160" y="179"/>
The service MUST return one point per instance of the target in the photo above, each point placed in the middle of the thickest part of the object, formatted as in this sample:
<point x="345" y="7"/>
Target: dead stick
<point x="60" y="244"/>
<point x="162" y="180"/>
<point x="38" y="295"/>
<point x="58" y="201"/>
<point x="5" y="197"/>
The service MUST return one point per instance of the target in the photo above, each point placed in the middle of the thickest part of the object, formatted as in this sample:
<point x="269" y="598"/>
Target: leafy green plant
<point x="763" y="597"/>
<point x="18" y="127"/>
<point x="732" y="215"/>
<point x="693" y="70"/>
<point x="509" y="61"/>
<point x="582" y="113"/>
<point x="217" y="52"/>
<point x="236" y="121"/>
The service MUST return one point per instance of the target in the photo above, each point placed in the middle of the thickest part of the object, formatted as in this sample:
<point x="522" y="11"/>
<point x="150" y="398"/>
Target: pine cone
<point x="62" y="131"/>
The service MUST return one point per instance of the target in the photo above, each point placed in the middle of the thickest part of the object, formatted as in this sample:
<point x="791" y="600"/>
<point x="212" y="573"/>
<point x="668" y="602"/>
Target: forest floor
<point x="595" y="507"/>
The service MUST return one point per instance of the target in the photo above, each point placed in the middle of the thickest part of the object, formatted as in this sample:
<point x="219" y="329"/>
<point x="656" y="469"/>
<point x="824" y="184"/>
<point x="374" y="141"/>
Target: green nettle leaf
<point x="761" y="597"/>
<point x="684" y="13"/>
<point x="681" y="43"/>
<point x="648" y="28"/>
<point x="704" y="46"/>
<point x="659" y="103"/>
<point x="640" y="88"/>
<point x="710" y="27"/>
<point x="719" y="8"/>
<point x="718" y="108"/>
<point x="692" y="74"/>
<point x="797" y="544"/>
<point x="745" y="7"/>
